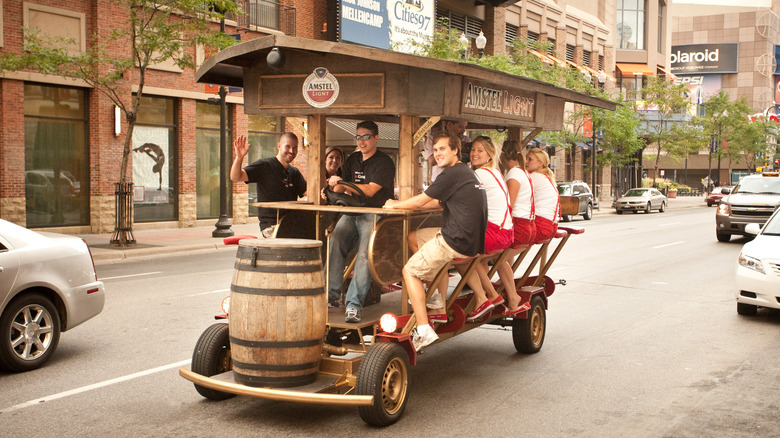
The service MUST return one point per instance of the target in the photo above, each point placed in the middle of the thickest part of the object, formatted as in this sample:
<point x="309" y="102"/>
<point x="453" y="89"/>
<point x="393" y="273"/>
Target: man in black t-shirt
<point x="462" y="235"/>
<point x="373" y="172"/>
<point x="276" y="178"/>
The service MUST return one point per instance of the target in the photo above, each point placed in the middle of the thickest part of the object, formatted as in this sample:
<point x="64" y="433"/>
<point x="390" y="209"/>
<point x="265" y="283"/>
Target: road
<point x="644" y="340"/>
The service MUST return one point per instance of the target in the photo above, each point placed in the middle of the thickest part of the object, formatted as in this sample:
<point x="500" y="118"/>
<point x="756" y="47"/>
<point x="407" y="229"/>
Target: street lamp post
<point x="481" y="43"/>
<point x="593" y="158"/>
<point x="464" y="46"/>
<point x="222" y="227"/>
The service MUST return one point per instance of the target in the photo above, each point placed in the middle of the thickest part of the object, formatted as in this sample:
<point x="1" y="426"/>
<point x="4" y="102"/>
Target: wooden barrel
<point x="278" y="311"/>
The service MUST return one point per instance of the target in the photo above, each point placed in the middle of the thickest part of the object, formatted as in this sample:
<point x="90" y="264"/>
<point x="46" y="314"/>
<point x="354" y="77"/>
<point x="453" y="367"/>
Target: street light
<point x="481" y="43"/>
<point x="464" y="45"/>
<point x="602" y="78"/>
<point x="222" y="227"/>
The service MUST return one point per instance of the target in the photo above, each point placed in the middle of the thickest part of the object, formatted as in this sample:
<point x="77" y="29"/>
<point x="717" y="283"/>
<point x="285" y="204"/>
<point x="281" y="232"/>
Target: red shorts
<point x="524" y="231"/>
<point x="497" y="238"/>
<point x="545" y="229"/>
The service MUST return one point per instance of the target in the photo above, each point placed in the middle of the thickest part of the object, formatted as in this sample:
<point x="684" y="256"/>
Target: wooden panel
<point x="356" y="90"/>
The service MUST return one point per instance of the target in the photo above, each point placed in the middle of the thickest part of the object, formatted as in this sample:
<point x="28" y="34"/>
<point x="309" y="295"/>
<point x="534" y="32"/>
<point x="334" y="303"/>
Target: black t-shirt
<point x="378" y="169"/>
<point x="274" y="183"/>
<point x="465" y="208"/>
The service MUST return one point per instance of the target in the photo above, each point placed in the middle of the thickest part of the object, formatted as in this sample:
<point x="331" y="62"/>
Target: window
<point x="468" y="25"/>
<point x="207" y="160"/>
<point x="56" y="156"/>
<point x="66" y="28"/>
<point x="631" y="24"/>
<point x="660" y="26"/>
<point x="569" y="53"/>
<point x="511" y="33"/>
<point x="154" y="161"/>
<point x="264" y="132"/>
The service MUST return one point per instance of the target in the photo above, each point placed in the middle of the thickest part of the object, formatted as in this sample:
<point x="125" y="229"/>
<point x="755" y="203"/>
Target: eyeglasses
<point x="363" y="137"/>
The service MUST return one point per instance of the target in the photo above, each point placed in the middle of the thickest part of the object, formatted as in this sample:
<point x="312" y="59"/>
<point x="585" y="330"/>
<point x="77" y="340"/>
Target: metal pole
<point x="593" y="163"/>
<point x="223" y="223"/>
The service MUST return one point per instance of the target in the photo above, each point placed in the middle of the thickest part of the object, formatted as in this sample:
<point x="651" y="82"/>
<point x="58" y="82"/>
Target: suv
<point x="581" y="191"/>
<point x="752" y="201"/>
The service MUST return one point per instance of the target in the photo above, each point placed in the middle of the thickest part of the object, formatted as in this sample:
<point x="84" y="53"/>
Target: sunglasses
<point x="364" y="137"/>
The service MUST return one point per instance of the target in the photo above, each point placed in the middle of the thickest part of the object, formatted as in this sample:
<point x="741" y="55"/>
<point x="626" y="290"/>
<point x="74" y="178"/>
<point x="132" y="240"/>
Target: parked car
<point x="641" y="199"/>
<point x="581" y="191"/>
<point x="758" y="268"/>
<point x="752" y="201"/>
<point x="716" y="195"/>
<point x="48" y="285"/>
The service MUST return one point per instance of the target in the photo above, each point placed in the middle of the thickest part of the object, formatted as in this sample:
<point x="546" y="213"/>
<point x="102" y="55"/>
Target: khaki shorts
<point x="433" y="255"/>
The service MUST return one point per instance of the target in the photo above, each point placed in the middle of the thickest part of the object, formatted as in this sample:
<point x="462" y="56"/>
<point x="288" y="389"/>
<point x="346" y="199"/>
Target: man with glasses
<point x="373" y="172"/>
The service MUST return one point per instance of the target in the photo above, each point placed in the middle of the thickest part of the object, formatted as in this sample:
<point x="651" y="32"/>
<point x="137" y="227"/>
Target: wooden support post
<point x="316" y="163"/>
<point x="409" y="176"/>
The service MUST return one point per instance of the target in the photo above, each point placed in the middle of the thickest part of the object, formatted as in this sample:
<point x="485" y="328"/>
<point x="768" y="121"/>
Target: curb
<point x="103" y="256"/>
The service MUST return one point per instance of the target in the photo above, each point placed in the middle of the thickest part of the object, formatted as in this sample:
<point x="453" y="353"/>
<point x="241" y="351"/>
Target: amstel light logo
<point x="320" y="89"/>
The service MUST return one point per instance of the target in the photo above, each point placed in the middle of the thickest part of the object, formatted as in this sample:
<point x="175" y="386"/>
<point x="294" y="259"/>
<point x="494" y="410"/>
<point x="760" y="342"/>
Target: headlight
<point x="723" y="209"/>
<point x="751" y="263"/>
<point x="388" y="323"/>
<point x="226" y="305"/>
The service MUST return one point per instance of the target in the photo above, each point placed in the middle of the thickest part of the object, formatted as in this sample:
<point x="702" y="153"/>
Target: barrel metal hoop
<point x="277" y="292"/>
<point x="278" y="254"/>
<point x="269" y="367"/>
<point x="276" y="344"/>
<point x="279" y="269"/>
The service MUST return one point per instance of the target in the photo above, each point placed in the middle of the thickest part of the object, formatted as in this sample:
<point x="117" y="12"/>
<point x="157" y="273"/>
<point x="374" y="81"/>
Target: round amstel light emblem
<point x="320" y="89"/>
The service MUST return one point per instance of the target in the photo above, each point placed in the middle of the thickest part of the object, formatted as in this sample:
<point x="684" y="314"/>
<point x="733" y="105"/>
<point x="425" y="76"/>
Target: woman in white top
<point x="521" y="197"/>
<point x="499" y="234"/>
<point x="546" y="199"/>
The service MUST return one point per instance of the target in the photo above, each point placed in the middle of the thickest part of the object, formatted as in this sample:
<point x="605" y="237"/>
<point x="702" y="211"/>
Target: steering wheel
<point x="345" y="199"/>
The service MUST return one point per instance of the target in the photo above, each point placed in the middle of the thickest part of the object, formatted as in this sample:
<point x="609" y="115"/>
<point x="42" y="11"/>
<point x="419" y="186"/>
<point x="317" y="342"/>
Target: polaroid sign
<point x="386" y="24"/>
<point x="704" y="58"/>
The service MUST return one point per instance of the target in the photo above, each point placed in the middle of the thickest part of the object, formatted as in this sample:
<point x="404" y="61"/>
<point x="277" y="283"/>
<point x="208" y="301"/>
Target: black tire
<point x="746" y="309"/>
<point x="588" y="212"/>
<point x="528" y="334"/>
<point x="565" y="218"/>
<point x="647" y="208"/>
<point x="33" y="312"/>
<point x="211" y="357"/>
<point x="663" y="207"/>
<point x="619" y="211"/>
<point x="722" y="237"/>
<point x="384" y="373"/>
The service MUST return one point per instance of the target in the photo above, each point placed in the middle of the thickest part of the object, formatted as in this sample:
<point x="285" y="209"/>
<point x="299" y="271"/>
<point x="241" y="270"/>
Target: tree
<point x="156" y="32"/>
<point x="750" y="139"/>
<point x="665" y="102"/>
<point x="620" y="141"/>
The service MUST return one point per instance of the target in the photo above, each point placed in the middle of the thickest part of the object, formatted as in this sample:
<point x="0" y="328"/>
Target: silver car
<point x="48" y="285"/>
<point x="641" y="199"/>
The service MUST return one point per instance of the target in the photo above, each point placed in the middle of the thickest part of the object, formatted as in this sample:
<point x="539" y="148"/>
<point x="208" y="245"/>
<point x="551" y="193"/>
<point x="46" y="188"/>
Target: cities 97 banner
<point x="387" y="24"/>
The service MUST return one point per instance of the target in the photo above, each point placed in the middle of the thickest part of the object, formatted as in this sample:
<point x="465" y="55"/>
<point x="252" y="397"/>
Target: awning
<point x="634" y="69"/>
<point x="593" y="72"/>
<point x="668" y="74"/>
<point x="547" y="58"/>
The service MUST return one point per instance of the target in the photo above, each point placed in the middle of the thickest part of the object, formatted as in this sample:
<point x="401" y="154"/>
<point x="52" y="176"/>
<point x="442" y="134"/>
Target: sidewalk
<point x="154" y="243"/>
<point x="159" y="242"/>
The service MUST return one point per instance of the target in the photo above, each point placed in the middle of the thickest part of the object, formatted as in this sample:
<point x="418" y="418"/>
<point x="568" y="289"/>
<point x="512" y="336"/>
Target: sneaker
<point x="333" y="304"/>
<point x="435" y="302"/>
<point x="481" y="310"/>
<point x="352" y="315"/>
<point x="441" y="318"/>
<point x="423" y="338"/>
<point x="499" y="300"/>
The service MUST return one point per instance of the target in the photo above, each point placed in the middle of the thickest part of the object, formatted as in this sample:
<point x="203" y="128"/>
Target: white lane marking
<point x="94" y="386"/>
<point x="210" y="292"/>
<point x="669" y="224"/>
<point x="669" y="244"/>
<point x="660" y="283"/>
<point x="130" y="275"/>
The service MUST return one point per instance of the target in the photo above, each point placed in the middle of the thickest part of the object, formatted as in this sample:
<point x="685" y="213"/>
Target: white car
<point x="758" y="268"/>
<point x="641" y="199"/>
<point x="48" y="285"/>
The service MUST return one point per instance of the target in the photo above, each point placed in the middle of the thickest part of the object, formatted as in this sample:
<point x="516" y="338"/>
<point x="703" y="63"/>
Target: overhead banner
<point x="704" y="58"/>
<point x="387" y="24"/>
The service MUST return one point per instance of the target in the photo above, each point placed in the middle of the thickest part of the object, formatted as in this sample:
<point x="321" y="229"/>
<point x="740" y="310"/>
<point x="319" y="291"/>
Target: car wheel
<point x="663" y="207"/>
<point x="619" y="211"/>
<point x="722" y="237"/>
<point x="528" y="334"/>
<point x="647" y="208"/>
<point x="384" y="374"/>
<point x="566" y="218"/>
<point x="30" y="330"/>
<point x="588" y="212"/>
<point x="211" y="357"/>
<point x="746" y="309"/>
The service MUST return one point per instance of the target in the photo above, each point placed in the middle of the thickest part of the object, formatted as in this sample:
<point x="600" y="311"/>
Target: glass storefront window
<point x="264" y="132"/>
<point x="154" y="161"/>
<point x="55" y="156"/>
<point x="207" y="159"/>
<point x="631" y="24"/>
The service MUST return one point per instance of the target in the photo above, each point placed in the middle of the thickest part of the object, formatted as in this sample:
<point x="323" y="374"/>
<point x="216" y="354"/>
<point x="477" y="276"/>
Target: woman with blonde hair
<point x="546" y="200"/>
<point x="521" y="197"/>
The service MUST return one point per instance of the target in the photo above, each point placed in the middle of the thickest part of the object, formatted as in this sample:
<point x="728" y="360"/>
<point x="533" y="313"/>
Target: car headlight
<point x="751" y="263"/>
<point x="723" y="209"/>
